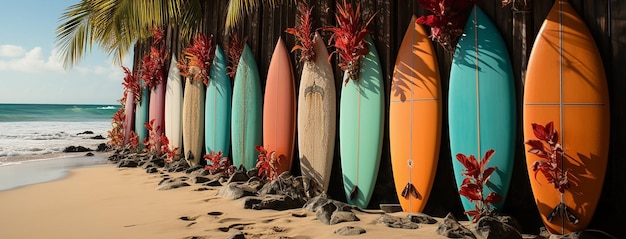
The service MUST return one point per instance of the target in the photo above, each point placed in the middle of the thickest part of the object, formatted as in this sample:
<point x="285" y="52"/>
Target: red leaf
<point x="485" y="160"/>
<point x="471" y="191"/>
<point x="493" y="198"/>
<point x="487" y="173"/>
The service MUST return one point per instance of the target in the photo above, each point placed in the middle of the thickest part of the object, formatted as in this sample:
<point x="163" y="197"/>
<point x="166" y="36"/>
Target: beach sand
<point x="108" y="202"/>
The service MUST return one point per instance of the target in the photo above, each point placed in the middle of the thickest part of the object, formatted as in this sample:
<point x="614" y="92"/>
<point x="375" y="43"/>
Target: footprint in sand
<point x="238" y="226"/>
<point x="187" y="218"/>
<point x="215" y="214"/>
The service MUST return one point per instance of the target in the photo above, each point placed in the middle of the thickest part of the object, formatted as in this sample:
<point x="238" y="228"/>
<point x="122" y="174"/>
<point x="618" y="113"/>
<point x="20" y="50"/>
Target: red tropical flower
<point x="547" y="148"/>
<point x="447" y="20"/>
<point x="267" y="163"/>
<point x="235" y="49"/>
<point x="216" y="163"/>
<point x="476" y="177"/>
<point x="198" y="58"/>
<point x="303" y="33"/>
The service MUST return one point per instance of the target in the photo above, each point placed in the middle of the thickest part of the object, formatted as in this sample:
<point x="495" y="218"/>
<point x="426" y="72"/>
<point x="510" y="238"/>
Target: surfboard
<point x="141" y="114"/>
<point x="481" y="104"/>
<point x="174" y="107"/>
<point x="317" y="118"/>
<point x="217" y="107"/>
<point x="415" y="118"/>
<point x="193" y="120"/>
<point x="279" y="108"/>
<point x="129" y="106"/>
<point x="157" y="110"/>
<point x="361" y="119"/>
<point x="566" y="85"/>
<point x="246" y="119"/>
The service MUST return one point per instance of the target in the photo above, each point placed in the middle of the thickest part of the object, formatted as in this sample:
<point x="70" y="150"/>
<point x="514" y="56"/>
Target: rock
<point x="238" y="176"/>
<point x="199" y="180"/>
<point x="451" y="228"/>
<point x="277" y="202"/>
<point x="173" y="183"/>
<point x="250" y="202"/>
<point x="237" y="235"/>
<point x="295" y="187"/>
<point x="76" y="149"/>
<point x="102" y="147"/>
<point x="152" y="170"/>
<point x="213" y="183"/>
<point x="89" y="154"/>
<point x="157" y="162"/>
<point x="390" y="208"/>
<point x="86" y="132"/>
<point x="586" y="234"/>
<point x="194" y="168"/>
<point x="254" y="172"/>
<point x="349" y="231"/>
<point x="324" y="212"/>
<point x="177" y="166"/>
<point x="397" y="222"/>
<point x="421" y="218"/>
<point x="231" y="191"/>
<point x="343" y="216"/>
<point x="128" y="163"/>
<point x="491" y="228"/>
<point x="510" y="221"/>
<point x="98" y="137"/>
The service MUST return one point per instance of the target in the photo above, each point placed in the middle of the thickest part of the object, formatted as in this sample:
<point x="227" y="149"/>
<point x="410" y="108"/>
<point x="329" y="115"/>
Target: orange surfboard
<point x="566" y="85"/>
<point x="415" y="118"/>
<point x="279" y="107"/>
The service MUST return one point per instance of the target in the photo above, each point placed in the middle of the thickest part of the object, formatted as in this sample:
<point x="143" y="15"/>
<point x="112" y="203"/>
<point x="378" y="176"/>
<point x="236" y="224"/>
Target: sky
<point x="32" y="72"/>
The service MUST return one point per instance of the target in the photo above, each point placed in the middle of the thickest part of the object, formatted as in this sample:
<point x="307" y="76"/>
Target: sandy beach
<point x="108" y="202"/>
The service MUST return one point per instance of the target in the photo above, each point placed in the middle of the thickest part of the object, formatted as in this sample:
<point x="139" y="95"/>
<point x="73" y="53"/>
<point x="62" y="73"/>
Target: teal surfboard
<point x="246" y="121"/>
<point x="361" y="129"/>
<point x="141" y="114"/>
<point x="217" y="107"/>
<point x="482" y="103"/>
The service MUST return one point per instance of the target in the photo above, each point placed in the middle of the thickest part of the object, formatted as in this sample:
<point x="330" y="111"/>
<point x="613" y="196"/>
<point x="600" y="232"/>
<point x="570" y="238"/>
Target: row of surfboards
<point x="565" y="84"/>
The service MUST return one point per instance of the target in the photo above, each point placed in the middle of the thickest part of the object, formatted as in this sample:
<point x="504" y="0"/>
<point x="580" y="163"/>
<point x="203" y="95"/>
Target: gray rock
<point x="421" y="218"/>
<point x="152" y="170"/>
<point x="89" y="154"/>
<point x="451" y="228"/>
<point x="349" y="231"/>
<point x="199" y="180"/>
<point x="213" y="183"/>
<point x="492" y="228"/>
<point x="238" y="176"/>
<point x="237" y="235"/>
<point x="76" y="149"/>
<point x="173" y="183"/>
<point x="342" y="216"/>
<point x="510" y="221"/>
<point x="397" y="222"/>
<point x="232" y="191"/>
<point x="128" y="163"/>
<point x="295" y="187"/>
<point x="324" y="212"/>
<point x="276" y="202"/>
<point x="194" y="168"/>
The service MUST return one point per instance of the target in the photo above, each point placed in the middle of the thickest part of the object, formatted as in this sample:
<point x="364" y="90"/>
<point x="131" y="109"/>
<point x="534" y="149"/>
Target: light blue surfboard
<point x="482" y="103"/>
<point x="141" y="114"/>
<point x="247" y="109"/>
<point x="217" y="107"/>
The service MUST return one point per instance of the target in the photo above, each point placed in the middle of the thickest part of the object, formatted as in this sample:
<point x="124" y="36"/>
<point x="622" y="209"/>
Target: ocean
<point x="38" y="131"/>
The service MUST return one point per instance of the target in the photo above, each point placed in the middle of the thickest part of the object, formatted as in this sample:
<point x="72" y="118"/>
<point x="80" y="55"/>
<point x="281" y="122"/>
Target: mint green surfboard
<point x="361" y="129"/>
<point x="141" y="114"/>
<point x="246" y="121"/>
<point x="217" y="107"/>
<point x="482" y="104"/>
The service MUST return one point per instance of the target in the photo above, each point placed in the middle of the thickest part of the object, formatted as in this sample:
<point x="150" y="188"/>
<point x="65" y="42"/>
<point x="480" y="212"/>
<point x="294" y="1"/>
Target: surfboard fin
<point x="562" y="210"/>
<point x="409" y="190"/>
<point x="353" y="192"/>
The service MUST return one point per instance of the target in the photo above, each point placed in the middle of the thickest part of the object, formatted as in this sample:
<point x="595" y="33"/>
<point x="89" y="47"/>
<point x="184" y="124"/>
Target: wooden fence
<point x="605" y="18"/>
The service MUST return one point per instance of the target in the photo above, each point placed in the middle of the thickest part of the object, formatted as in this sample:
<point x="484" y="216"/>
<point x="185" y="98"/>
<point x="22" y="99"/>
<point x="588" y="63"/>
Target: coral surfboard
<point x="246" y="118"/>
<point x="415" y="118"/>
<point x="481" y="108"/>
<point x="141" y="114"/>
<point x="129" y="107"/>
<point x="317" y="108"/>
<point x="193" y="120"/>
<point x="217" y="107"/>
<point x="361" y="119"/>
<point x="174" y="107"/>
<point x="279" y="108"/>
<point x="566" y="85"/>
<point x="157" y="110"/>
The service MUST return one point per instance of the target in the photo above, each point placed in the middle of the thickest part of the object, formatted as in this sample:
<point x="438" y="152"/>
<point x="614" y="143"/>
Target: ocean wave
<point x="107" y="108"/>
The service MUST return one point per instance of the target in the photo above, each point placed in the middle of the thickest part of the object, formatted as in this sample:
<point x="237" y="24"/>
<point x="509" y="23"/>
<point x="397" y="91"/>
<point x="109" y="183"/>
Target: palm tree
<point x="238" y="9"/>
<point x="116" y="25"/>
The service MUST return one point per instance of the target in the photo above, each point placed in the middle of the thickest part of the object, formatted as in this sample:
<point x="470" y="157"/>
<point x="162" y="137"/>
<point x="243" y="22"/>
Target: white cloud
<point x="11" y="51"/>
<point x="32" y="61"/>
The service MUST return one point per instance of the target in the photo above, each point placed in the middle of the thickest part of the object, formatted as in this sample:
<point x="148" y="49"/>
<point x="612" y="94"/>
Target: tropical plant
<point x="267" y="164"/>
<point x="349" y="38"/>
<point x="133" y="141"/>
<point x="198" y="58"/>
<point x="151" y="142"/>
<point x="117" y="25"/>
<point x="216" y="163"/>
<point x="476" y="178"/>
<point x="303" y="33"/>
<point x="237" y="9"/>
<point x="550" y="164"/>
<point x="152" y="69"/>
<point x="517" y="5"/>
<point x="235" y="49"/>
<point x="131" y="83"/>
<point x="170" y="154"/>
<point x="447" y="20"/>
<point x="116" y="134"/>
